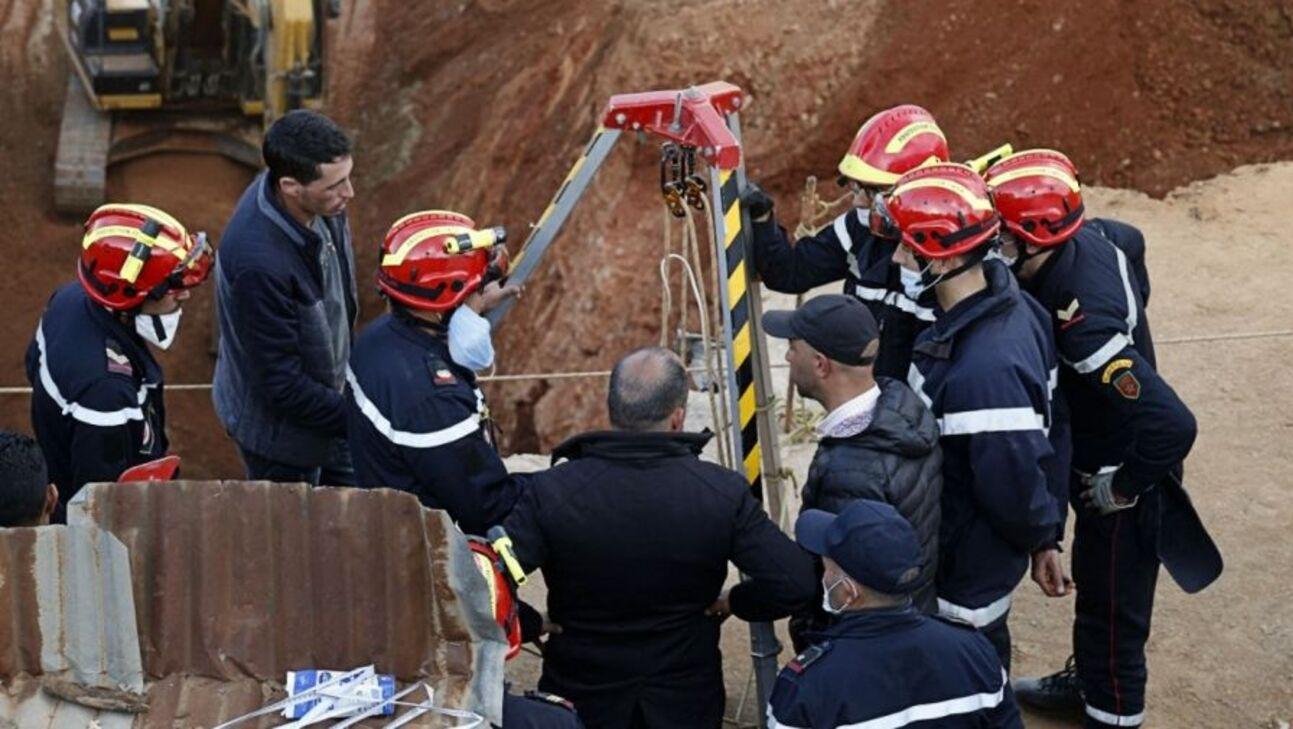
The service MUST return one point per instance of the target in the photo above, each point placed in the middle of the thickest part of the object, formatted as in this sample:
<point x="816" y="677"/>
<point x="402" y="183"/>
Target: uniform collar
<point x="1052" y="271"/>
<point x="873" y="621"/>
<point x="629" y="446"/>
<point x="850" y="418"/>
<point x="120" y="332"/>
<point x="999" y="296"/>
<point x="270" y="207"/>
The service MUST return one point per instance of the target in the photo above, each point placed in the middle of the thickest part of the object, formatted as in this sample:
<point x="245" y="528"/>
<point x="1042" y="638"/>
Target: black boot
<point x="1058" y="692"/>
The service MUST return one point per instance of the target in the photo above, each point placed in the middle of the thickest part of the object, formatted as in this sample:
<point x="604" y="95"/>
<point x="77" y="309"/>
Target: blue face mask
<point x="469" y="342"/>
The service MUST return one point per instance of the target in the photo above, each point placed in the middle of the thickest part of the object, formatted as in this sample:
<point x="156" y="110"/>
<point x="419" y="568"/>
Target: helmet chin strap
<point x="929" y="280"/>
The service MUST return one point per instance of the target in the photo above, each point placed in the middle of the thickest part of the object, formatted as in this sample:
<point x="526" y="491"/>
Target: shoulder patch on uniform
<point x="441" y="375"/>
<point x="1070" y="314"/>
<point x="1113" y="368"/>
<point x="801" y="662"/>
<point x="954" y="621"/>
<point x="118" y="362"/>
<point x="1128" y="386"/>
<point x="550" y="699"/>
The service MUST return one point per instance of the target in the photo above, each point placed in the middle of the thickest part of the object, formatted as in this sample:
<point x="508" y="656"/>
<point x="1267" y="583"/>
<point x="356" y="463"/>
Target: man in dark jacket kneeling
<point x="878" y="440"/>
<point x="634" y="534"/>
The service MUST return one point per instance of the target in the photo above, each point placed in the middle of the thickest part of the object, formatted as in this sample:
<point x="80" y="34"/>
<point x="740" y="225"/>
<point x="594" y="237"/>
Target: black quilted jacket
<point x="895" y="460"/>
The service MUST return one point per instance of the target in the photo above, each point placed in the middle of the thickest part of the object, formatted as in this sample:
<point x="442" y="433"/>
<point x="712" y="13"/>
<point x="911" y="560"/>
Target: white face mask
<point x="826" y="597"/>
<point x="159" y="329"/>
<point x="1000" y="255"/>
<point x="469" y="342"/>
<point x="911" y="283"/>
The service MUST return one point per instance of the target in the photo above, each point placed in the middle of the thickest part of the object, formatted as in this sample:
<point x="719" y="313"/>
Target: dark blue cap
<point x="838" y="326"/>
<point x="869" y="540"/>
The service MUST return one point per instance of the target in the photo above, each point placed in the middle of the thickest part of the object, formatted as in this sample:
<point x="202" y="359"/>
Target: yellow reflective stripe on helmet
<point x="1050" y="172"/>
<point x="149" y="211"/>
<point x="855" y="169"/>
<point x="426" y="213"/>
<point x="127" y="231"/>
<point x="956" y="188"/>
<point x="397" y="257"/>
<point x="910" y="132"/>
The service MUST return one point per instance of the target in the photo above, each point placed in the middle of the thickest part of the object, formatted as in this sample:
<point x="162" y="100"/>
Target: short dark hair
<point x="24" y="481"/>
<point x="299" y="142"/>
<point x="647" y="385"/>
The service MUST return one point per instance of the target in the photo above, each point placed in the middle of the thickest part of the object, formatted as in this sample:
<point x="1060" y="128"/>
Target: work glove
<point x="756" y="201"/>
<point x="1100" y="495"/>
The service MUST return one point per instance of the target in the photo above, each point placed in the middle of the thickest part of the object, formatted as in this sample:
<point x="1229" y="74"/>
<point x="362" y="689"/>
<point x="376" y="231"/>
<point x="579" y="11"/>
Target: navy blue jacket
<point x="892" y="668"/>
<point x="846" y="250"/>
<point x="986" y="369"/>
<point x="1094" y="288"/>
<point x="418" y="422"/>
<point x="634" y="534"/>
<point x="277" y="389"/>
<point x="97" y="403"/>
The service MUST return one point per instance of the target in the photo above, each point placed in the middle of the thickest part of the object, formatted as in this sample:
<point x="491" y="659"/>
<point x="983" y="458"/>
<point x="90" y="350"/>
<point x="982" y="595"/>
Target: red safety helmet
<point x="135" y="252"/>
<point x="892" y="142"/>
<point x="434" y="259"/>
<point x="942" y="210"/>
<point x="1038" y="196"/>
<point x="502" y="592"/>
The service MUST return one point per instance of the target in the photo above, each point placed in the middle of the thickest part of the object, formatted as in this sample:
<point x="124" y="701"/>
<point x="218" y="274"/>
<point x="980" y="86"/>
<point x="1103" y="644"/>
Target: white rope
<point x="572" y="375"/>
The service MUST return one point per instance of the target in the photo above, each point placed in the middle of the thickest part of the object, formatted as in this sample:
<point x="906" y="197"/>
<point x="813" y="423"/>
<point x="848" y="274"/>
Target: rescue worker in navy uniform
<point x="98" y="403"/>
<point x="634" y="533"/>
<point x="883" y="663"/>
<point x="888" y="144"/>
<point x="985" y="369"/>
<point x="878" y="440"/>
<point x="1130" y="430"/>
<point x="416" y="416"/>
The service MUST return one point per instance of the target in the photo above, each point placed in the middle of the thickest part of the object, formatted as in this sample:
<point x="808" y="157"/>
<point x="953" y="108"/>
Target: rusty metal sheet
<point x="68" y="594"/>
<point x="235" y="583"/>
<point x="70" y="628"/>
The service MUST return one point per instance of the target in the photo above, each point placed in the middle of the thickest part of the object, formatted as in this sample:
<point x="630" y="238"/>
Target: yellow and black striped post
<point x="748" y="382"/>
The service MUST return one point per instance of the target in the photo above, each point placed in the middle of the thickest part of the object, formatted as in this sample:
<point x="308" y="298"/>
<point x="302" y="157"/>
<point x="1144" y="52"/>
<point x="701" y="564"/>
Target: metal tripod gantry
<point x="703" y="121"/>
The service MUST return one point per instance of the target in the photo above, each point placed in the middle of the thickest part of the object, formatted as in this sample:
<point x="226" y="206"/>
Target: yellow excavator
<point x="200" y="76"/>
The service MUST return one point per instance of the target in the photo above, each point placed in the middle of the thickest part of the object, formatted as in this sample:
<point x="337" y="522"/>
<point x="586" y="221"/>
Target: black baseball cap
<point x="869" y="540"/>
<point x="838" y="326"/>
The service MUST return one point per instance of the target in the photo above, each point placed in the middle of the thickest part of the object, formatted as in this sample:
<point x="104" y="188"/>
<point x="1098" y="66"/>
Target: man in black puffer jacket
<point x="878" y="440"/>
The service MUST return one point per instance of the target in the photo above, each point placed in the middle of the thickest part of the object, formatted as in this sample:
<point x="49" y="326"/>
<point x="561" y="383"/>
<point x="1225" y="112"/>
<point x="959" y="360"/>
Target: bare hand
<point x="721" y="608"/>
<point x="1048" y="573"/>
<point x="490" y="296"/>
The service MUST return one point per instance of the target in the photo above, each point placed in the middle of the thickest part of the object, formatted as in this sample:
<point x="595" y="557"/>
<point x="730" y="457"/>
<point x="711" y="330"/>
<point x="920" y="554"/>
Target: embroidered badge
<point x="1128" y="386"/>
<point x="118" y="363"/>
<point x="1069" y="315"/>
<point x="1113" y="368"/>
<point x="806" y="659"/>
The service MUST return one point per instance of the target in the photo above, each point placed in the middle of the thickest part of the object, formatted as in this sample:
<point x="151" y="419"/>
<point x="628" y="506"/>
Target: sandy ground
<point x="1223" y="658"/>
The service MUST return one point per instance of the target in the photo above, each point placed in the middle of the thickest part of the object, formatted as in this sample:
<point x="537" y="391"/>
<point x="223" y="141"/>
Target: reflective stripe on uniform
<point x="921" y="712"/>
<point x="916" y="381"/>
<point x="1119" y="341"/>
<point x="89" y="416"/>
<point x="895" y="299"/>
<point x="1115" y="719"/>
<point x="978" y="617"/>
<point x="841" y="228"/>
<point x="991" y="420"/>
<point x="444" y="436"/>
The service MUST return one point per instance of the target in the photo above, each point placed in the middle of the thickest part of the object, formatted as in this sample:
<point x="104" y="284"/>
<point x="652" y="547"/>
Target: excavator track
<point x="81" y="163"/>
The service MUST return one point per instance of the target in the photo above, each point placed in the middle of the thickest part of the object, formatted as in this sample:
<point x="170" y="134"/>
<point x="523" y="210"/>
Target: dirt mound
<point x="483" y="106"/>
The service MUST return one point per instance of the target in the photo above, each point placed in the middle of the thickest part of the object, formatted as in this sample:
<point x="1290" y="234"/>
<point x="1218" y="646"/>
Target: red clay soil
<point x="482" y="106"/>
